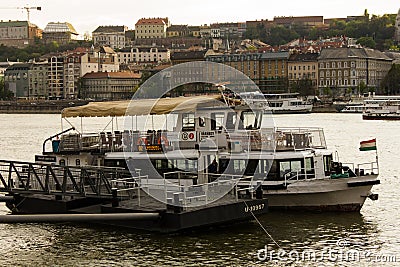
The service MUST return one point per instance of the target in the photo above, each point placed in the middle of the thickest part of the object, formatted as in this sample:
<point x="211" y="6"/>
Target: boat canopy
<point x="137" y="107"/>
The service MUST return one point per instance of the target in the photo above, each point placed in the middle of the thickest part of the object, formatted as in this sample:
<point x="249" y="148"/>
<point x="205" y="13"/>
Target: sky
<point x="87" y="15"/>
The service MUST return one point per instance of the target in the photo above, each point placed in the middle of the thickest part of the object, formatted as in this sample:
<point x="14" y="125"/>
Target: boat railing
<point x="89" y="181"/>
<point x="184" y="175"/>
<point x="299" y="138"/>
<point x="301" y="174"/>
<point x="188" y="195"/>
<point x="367" y="168"/>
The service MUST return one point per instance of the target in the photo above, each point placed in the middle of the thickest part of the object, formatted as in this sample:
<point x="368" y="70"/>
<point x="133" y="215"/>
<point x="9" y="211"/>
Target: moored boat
<point x="208" y="143"/>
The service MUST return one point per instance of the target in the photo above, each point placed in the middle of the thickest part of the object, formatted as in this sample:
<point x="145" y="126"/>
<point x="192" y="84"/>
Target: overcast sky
<point x="86" y="15"/>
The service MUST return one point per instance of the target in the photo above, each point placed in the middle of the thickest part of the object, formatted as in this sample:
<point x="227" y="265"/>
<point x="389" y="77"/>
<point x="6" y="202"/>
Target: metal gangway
<point x="49" y="179"/>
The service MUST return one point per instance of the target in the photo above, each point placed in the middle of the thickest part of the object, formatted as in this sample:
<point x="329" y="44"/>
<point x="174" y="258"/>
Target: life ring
<point x="163" y="140"/>
<point x="142" y="141"/>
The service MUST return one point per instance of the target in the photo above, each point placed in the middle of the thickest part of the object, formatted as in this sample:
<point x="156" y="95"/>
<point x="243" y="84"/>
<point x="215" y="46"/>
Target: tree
<point x="4" y="93"/>
<point x="366" y="42"/>
<point x="391" y="82"/>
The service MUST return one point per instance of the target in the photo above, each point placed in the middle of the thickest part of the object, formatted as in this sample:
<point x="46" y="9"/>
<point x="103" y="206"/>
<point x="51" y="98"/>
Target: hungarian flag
<point x="368" y="145"/>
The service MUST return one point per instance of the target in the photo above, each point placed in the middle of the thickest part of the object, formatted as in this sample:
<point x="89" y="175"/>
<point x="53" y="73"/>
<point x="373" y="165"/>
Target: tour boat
<point x="382" y="108"/>
<point x="292" y="167"/>
<point x="285" y="103"/>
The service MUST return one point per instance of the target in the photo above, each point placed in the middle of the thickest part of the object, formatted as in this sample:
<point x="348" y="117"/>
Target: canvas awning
<point x="141" y="106"/>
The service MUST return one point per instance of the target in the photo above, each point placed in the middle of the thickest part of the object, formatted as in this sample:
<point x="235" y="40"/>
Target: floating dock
<point x="50" y="193"/>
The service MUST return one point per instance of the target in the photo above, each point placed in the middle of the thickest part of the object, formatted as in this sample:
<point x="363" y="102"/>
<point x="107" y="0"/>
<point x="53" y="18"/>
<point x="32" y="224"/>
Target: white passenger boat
<point x="382" y="108"/>
<point x="285" y="103"/>
<point x="208" y="143"/>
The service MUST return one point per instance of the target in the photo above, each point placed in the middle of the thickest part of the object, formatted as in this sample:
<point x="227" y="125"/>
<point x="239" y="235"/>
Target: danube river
<point x="373" y="234"/>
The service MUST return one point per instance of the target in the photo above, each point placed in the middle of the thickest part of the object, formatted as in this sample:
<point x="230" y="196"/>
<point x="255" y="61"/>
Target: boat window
<point x="250" y="120"/>
<point x="164" y="165"/>
<point x="251" y="167"/>
<point x="308" y="164"/>
<point x="239" y="166"/>
<point x="231" y="121"/>
<point x="309" y="167"/>
<point x="62" y="162"/>
<point x="327" y="164"/>
<point x="217" y="120"/>
<point x="188" y="122"/>
<point x="77" y="162"/>
<point x="202" y="122"/>
<point x="289" y="166"/>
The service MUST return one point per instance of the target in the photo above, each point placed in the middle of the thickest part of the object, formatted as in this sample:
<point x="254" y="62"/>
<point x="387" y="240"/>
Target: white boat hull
<point x="323" y="195"/>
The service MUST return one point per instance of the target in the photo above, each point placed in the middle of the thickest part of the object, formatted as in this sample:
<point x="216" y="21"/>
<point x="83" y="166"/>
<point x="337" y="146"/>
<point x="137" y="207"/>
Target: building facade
<point x="37" y="76"/>
<point x="341" y="69"/>
<point x="143" y="54"/>
<point x="16" y="79"/>
<point x="59" y="32"/>
<point x="178" y="31"/>
<point x="151" y="28"/>
<point x="112" y="36"/>
<point x="268" y="70"/>
<point x="18" y="33"/>
<point x="110" y="85"/>
<point x="303" y="71"/>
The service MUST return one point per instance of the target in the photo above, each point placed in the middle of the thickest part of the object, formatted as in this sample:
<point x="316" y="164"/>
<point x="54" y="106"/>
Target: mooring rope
<point x="259" y="223"/>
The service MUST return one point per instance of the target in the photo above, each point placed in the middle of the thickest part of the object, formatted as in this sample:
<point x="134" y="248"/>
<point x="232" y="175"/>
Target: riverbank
<point x="55" y="107"/>
<point x="38" y="107"/>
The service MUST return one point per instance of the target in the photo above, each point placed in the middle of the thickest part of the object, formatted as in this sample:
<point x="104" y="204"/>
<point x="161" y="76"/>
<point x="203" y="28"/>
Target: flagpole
<point x="376" y="153"/>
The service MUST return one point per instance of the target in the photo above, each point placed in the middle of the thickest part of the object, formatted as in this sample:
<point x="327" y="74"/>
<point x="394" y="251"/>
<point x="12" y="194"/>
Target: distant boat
<point x="285" y="103"/>
<point x="382" y="108"/>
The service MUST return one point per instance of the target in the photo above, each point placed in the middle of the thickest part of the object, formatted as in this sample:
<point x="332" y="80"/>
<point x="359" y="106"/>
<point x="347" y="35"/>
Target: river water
<point x="373" y="234"/>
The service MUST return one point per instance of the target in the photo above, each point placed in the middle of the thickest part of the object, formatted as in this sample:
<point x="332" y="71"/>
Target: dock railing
<point x="175" y="192"/>
<point x="85" y="181"/>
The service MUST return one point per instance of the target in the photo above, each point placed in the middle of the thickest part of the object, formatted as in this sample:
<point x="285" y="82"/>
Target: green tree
<point x="391" y="83"/>
<point x="280" y="35"/>
<point x="366" y="42"/>
<point x="4" y="93"/>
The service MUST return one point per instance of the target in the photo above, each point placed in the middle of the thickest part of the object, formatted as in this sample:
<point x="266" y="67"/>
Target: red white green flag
<point x="368" y="145"/>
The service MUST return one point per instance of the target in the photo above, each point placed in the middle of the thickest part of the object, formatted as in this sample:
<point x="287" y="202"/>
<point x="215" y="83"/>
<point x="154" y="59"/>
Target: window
<point x="231" y="120"/>
<point x="289" y="168"/>
<point x="188" y="122"/>
<point x="217" y="120"/>
<point x="249" y="120"/>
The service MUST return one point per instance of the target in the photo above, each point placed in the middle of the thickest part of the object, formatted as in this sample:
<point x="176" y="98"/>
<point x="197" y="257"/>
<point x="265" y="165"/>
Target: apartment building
<point x="178" y="31"/>
<point x="303" y="68"/>
<point x="144" y="54"/>
<point x="16" y="79"/>
<point x="110" y="85"/>
<point x="151" y="28"/>
<point x="112" y="36"/>
<point x="18" y="33"/>
<point x="37" y="76"/>
<point x="343" y="68"/>
<point x="267" y="70"/>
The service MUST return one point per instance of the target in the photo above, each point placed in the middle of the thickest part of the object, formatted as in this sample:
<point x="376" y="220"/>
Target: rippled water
<point x="375" y="230"/>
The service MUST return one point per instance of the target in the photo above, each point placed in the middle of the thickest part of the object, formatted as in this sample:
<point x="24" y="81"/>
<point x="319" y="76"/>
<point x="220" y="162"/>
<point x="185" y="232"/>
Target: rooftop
<point x="110" y="29"/>
<point x="112" y="75"/>
<point x="152" y="21"/>
<point x="52" y="27"/>
<point x="346" y="52"/>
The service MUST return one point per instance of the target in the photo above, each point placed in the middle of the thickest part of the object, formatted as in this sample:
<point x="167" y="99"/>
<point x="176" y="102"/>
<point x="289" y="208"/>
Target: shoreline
<point x="55" y="107"/>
